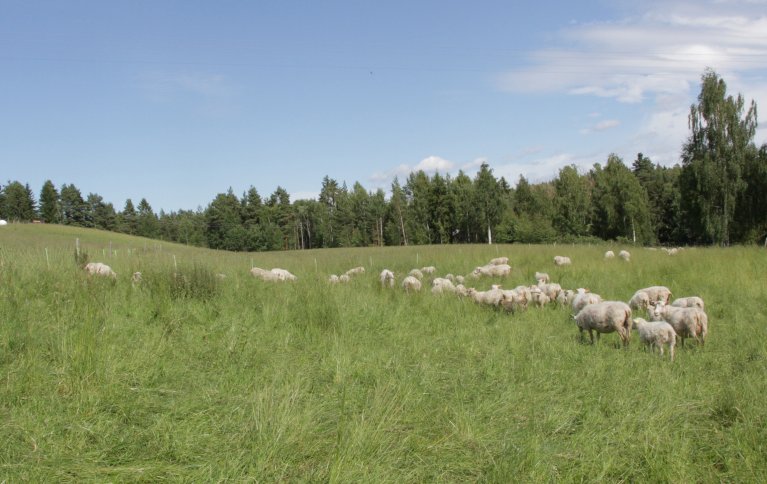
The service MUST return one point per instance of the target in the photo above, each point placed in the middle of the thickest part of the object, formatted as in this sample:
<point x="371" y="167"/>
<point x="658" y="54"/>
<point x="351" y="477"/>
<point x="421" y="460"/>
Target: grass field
<point x="201" y="379"/>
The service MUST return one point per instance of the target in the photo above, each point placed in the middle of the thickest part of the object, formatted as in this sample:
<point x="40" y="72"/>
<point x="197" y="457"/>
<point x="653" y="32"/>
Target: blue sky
<point x="176" y="101"/>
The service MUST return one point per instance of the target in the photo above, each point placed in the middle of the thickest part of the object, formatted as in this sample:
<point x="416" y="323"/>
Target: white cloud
<point x="429" y="165"/>
<point x="433" y="164"/>
<point x="601" y="126"/>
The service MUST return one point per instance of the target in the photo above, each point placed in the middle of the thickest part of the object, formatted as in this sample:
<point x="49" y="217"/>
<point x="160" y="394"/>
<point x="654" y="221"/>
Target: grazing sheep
<point x="583" y="298"/>
<point x="99" y="269"/>
<point x="450" y="277"/>
<point x="551" y="290"/>
<point x="460" y="279"/>
<point x="386" y="278"/>
<point x="344" y="278"/>
<point x="411" y="283"/>
<point x="416" y="273"/>
<point x="538" y="297"/>
<point x="605" y="317"/>
<point x="283" y="275"/>
<point x="542" y="277"/>
<point x="491" y="297"/>
<point x="136" y="278"/>
<point x="461" y="290"/>
<point x="512" y="300"/>
<point x="656" y="334"/>
<point x="498" y="261"/>
<point x="220" y="276"/>
<point x="428" y="270"/>
<point x="640" y="300"/>
<point x="609" y="254"/>
<point x="565" y="297"/>
<point x="491" y="270"/>
<point x="333" y="279"/>
<point x="625" y="255"/>
<point x="687" y="322"/>
<point x="657" y="294"/>
<point x="562" y="261"/>
<point x="440" y="285"/>
<point x="355" y="270"/>
<point x="263" y="274"/>
<point x="689" y="302"/>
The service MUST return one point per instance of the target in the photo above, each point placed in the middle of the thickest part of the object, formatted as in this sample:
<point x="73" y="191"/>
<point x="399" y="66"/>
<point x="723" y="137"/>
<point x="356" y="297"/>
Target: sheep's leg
<point x="591" y="335"/>
<point x="671" y="351"/>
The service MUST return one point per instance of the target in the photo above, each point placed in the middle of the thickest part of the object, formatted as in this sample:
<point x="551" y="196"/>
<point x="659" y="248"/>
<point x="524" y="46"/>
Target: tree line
<point x="717" y="195"/>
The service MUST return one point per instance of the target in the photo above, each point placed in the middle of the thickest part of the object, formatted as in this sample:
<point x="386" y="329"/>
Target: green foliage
<point x="18" y="202"/>
<point x="50" y="208"/>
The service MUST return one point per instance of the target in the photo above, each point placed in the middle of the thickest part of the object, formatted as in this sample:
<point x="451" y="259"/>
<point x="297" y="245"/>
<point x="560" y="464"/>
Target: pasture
<point x="206" y="379"/>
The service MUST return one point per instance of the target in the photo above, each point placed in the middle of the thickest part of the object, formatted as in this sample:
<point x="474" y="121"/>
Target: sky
<point x="177" y="101"/>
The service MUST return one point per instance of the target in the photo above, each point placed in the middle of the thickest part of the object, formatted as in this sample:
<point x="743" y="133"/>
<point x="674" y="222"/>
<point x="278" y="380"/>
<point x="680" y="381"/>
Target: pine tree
<point x="50" y="206"/>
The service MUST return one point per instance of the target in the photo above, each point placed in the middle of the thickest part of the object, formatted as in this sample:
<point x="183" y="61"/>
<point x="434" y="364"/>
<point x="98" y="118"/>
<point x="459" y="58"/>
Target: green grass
<point x="238" y="379"/>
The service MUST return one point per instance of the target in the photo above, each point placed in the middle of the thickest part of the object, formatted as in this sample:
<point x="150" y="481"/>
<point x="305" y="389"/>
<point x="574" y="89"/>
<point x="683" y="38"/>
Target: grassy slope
<point x="103" y="381"/>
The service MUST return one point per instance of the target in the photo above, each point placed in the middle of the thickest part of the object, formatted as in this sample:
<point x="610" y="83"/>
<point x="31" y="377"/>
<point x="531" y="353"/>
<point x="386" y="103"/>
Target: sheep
<point x="640" y="300"/>
<point x="411" y="283"/>
<point x="491" y="270"/>
<point x="416" y="273"/>
<point x="491" y="297"/>
<point x="511" y="300"/>
<point x="551" y="290"/>
<point x="333" y="279"/>
<point x="136" y="278"/>
<point x="687" y="322"/>
<point x="565" y="297"/>
<point x="657" y="294"/>
<point x="605" y="317"/>
<point x="499" y="261"/>
<point x="609" y="254"/>
<point x="386" y="278"/>
<point x="656" y="334"/>
<point x="461" y="290"/>
<point x="689" y="302"/>
<point x="220" y="276"/>
<point x="450" y="277"/>
<point x="625" y="255"/>
<point x="263" y="274"/>
<point x="428" y="270"/>
<point x="100" y="269"/>
<point x="355" y="270"/>
<point x="583" y="298"/>
<point x="539" y="297"/>
<point x="562" y="261"/>
<point x="344" y="278"/>
<point x="283" y="275"/>
<point x="542" y="277"/>
<point x="460" y="279"/>
<point x="440" y="285"/>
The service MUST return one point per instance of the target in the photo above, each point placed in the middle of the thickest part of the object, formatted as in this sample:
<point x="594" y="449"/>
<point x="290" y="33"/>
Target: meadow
<point x="203" y="379"/>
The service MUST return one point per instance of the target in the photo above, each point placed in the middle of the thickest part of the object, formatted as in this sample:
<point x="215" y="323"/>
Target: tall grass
<point x="195" y="378"/>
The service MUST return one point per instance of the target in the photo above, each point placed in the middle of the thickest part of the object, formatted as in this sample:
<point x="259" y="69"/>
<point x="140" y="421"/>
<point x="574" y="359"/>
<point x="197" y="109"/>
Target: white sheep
<point x="344" y="278"/>
<point x="656" y="334"/>
<point x="640" y="300"/>
<point x="551" y="290"/>
<point x="461" y="290"/>
<point x="441" y="284"/>
<point x="450" y="277"/>
<point x="689" y="302"/>
<point x="416" y="273"/>
<point x="355" y="270"/>
<point x="625" y="255"/>
<point x="538" y="297"/>
<point x="583" y="298"/>
<point x="283" y="275"/>
<point x="136" y="278"/>
<point x="565" y="297"/>
<point x="511" y="300"/>
<point x="491" y="297"/>
<point x="333" y="279"/>
<point x="386" y="278"/>
<point x="562" y="260"/>
<point x="263" y="274"/>
<point x="498" y="261"/>
<point x="542" y="277"/>
<point x="460" y="279"/>
<point x="605" y="317"/>
<point x="657" y="294"/>
<point x="491" y="270"/>
<point x="428" y="270"/>
<point x="99" y="269"/>
<point x="411" y="283"/>
<point x="687" y="322"/>
<point x="609" y="254"/>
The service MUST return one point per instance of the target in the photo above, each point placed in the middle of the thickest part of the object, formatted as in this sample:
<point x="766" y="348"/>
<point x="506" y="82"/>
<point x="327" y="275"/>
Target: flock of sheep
<point x="683" y="318"/>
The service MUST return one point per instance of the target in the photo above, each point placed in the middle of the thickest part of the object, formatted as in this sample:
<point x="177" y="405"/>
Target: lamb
<point x="542" y="277"/>
<point x="136" y="278"/>
<point x="687" y="322"/>
<point x="386" y="278"/>
<point x="428" y="270"/>
<point x="609" y="254"/>
<point x="689" y="302"/>
<point x="656" y="334"/>
<point x="640" y="300"/>
<point x="100" y="269"/>
<point x="461" y="290"/>
<point x="625" y="255"/>
<point x="605" y="317"/>
<point x="565" y="297"/>
<point x="657" y="294"/>
<point x="411" y="283"/>
<point x="440" y="285"/>
<point x="499" y="261"/>
<point x="344" y="278"/>
<point x="460" y="279"/>
<point x="416" y="273"/>
<point x="355" y="270"/>
<point x="562" y="261"/>
<point x="491" y="270"/>
<point x="583" y="298"/>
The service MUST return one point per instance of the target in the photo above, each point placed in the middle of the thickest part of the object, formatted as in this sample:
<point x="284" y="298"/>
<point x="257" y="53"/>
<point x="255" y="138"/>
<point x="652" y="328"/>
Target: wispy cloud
<point x="430" y="164"/>
<point x="165" y="85"/>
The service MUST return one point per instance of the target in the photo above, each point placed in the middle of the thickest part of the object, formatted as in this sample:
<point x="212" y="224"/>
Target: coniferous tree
<point x="19" y="203"/>
<point x="128" y="219"/>
<point x="146" y="220"/>
<point x="73" y="207"/>
<point x="50" y="206"/>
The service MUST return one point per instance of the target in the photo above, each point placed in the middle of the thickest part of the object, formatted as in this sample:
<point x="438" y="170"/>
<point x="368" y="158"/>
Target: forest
<point x="715" y="195"/>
